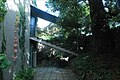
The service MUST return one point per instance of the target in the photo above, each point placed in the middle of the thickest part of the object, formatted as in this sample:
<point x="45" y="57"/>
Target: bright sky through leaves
<point x="41" y="5"/>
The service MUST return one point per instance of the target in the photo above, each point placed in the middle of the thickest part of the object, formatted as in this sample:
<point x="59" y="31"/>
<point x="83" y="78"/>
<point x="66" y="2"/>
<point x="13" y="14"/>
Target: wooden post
<point x="1" y="74"/>
<point x="33" y="47"/>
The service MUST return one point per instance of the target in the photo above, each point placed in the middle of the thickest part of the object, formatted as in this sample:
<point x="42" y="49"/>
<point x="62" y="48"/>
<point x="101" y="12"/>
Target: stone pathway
<point x="53" y="73"/>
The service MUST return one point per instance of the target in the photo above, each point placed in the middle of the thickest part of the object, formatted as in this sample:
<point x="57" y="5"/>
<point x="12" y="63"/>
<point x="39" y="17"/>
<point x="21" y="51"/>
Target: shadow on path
<point x="54" y="73"/>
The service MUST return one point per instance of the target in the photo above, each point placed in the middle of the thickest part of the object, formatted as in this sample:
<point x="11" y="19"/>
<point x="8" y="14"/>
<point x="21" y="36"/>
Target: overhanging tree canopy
<point x="75" y="14"/>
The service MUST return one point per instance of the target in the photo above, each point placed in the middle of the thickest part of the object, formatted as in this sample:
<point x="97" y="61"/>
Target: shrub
<point x="90" y="67"/>
<point x="25" y="74"/>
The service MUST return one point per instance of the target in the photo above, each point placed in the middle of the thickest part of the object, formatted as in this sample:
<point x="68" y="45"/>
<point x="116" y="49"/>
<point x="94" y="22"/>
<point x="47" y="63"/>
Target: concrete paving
<point x="54" y="73"/>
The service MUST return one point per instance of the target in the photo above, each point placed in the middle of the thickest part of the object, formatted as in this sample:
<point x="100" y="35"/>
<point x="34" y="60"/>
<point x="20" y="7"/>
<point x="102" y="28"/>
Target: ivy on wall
<point x="4" y="62"/>
<point x="2" y="10"/>
<point x="22" y="28"/>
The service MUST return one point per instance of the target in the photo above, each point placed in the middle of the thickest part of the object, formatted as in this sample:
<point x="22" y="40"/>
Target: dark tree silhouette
<point x="100" y="28"/>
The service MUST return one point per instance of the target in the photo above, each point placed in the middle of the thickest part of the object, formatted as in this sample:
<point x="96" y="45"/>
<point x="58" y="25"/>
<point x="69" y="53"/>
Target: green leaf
<point x="2" y="56"/>
<point x="4" y="1"/>
<point x="4" y="62"/>
<point x="1" y="19"/>
<point x="0" y="1"/>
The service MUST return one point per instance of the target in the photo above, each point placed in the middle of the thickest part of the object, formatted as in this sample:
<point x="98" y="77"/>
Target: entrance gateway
<point x="35" y="12"/>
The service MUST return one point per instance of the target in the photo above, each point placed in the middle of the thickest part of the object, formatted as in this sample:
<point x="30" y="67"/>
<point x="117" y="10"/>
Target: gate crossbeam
<point x="53" y="46"/>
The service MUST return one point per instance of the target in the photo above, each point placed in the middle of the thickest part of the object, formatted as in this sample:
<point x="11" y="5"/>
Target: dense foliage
<point x="2" y="10"/>
<point x="4" y="62"/>
<point x="25" y="74"/>
<point x="95" y="67"/>
<point x="50" y="32"/>
<point x="101" y="18"/>
<point x="74" y="16"/>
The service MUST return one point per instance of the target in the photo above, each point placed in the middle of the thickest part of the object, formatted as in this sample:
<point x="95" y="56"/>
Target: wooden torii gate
<point x="35" y="12"/>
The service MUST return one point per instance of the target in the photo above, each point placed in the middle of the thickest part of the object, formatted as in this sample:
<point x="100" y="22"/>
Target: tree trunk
<point x="100" y="28"/>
